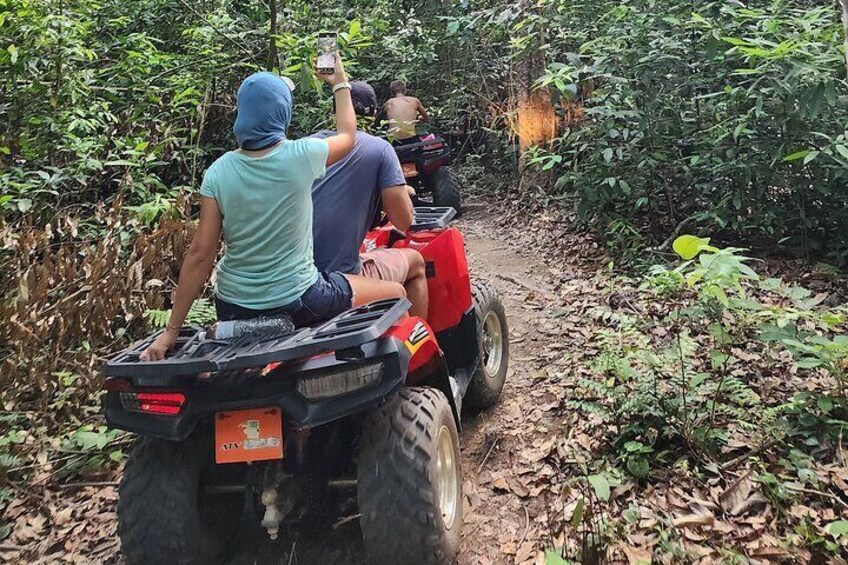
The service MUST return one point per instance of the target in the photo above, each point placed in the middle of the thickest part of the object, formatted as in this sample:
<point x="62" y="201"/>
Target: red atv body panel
<point x="418" y="338"/>
<point x="448" y="281"/>
<point x="254" y="372"/>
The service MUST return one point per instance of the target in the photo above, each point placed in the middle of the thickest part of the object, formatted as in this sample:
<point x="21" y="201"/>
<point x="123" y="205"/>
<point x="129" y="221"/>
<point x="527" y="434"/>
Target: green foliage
<point x="728" y="114"/>
<point x="686" y="393"/>
<point x="202" y="312"/>
<point x="838" y="528"/>
<point x="91" y="448"/>
<point x="105" y="97"/>
<point x="601" y="486"/>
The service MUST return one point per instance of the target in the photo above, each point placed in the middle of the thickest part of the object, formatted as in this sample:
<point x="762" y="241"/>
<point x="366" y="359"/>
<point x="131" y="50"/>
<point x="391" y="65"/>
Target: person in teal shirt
<point x="258" y="197"/>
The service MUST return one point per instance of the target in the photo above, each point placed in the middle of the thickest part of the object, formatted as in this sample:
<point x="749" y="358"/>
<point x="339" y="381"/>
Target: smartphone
<point x="327" y="48"/>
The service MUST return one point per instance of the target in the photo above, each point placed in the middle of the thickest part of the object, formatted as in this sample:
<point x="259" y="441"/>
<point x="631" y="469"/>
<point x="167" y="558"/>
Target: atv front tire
<point x="445" y="187"/>
<point x="163" y="516"/>
<point x="493" y="347"/>
<point x="410" y="480"/>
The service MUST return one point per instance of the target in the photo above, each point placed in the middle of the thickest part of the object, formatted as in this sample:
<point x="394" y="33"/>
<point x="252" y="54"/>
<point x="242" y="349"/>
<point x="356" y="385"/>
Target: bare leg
<point x="416" y="284"/>
<point x="367" y="290"/>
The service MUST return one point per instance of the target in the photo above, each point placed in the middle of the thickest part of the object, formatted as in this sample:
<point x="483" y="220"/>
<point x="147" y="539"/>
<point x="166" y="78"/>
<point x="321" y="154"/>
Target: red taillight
<point x="409" y="170"/>
<point x="165" y="403"/>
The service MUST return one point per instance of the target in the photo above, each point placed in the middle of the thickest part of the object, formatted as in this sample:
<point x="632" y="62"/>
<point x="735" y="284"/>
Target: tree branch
<point x="273" y="60"/>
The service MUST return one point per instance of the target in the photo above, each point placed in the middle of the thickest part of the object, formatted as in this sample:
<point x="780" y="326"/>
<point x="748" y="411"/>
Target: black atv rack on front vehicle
<point x="429" y="150"/>
<point x="193" y="354"/>
<point x="432" y="218"/>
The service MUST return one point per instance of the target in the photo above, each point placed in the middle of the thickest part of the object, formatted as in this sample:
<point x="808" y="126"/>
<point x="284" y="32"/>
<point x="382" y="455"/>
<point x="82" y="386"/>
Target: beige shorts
<point x="385" y="265"/>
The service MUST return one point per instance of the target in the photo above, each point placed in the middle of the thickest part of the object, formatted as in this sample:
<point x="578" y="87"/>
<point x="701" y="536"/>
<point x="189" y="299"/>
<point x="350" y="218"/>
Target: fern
<point x="739" y="393"/>
<point x="599" y="388"/>
<point x="202" y="312"/>
<point x="157" y="318"/>
<point x="7" y="461"/>
<point x="591" y="407"/>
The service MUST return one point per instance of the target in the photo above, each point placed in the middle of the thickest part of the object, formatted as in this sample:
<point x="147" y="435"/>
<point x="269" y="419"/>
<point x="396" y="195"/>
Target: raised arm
<point x="341" y="143"/>
<point x="197" y="266"/>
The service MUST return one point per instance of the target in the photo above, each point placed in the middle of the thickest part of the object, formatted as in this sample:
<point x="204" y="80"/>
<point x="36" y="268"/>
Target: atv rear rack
<point x="193" y="354"/>
<point x="432" y="148"/>
<point x="431" y="218"/>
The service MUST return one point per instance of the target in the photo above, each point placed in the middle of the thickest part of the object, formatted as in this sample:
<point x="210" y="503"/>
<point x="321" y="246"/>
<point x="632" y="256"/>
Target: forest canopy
<point x="726" y="115"/>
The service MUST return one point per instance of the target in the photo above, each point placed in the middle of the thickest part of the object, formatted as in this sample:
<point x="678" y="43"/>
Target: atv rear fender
<point x="427" y="364"/>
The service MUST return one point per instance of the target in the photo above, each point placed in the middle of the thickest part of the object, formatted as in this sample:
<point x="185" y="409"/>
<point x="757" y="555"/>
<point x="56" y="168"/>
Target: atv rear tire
<point x="163" y="517"/>
<point x="410" y="480"/>
<point x="445" y="187"/>
<point x="493" y="346"/>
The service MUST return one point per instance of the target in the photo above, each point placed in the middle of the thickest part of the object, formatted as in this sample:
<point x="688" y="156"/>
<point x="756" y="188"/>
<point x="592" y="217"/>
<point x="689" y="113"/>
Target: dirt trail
<point x="501" y="448"/>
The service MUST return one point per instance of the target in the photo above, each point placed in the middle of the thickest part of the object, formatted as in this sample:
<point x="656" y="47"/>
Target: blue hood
<point x="264" y="111"/>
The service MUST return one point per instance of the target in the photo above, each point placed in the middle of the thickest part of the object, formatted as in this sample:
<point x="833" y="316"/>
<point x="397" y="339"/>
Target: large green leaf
<point x="838" y="528"/>
<point x="797" y="155"/>
<point x="552" y="557"/>
<point x="688" y="246"/>
<point x="601" y="485"/>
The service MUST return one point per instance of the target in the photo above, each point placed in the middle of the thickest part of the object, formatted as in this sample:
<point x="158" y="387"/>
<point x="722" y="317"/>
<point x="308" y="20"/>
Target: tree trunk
<point x="536" y="120"/>
<point x="273" y="60"/>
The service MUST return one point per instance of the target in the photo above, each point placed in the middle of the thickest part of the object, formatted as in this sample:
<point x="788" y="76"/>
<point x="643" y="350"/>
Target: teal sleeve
<point x="207" y="186"/>
<point x="317" y="152"/>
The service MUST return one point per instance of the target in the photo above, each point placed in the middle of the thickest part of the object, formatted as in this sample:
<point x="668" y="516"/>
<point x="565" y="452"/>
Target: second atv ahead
<point x="426" y="166"/>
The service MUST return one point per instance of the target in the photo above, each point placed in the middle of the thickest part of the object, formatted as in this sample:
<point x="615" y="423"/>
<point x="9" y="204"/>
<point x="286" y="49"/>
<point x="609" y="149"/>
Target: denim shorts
<point x="330" y="295"/>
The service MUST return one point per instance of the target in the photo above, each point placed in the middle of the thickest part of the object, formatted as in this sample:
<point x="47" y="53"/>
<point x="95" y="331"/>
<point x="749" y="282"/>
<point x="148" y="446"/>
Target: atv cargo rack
<point x="193" y="354"/>
<point x="432" y="218"/>
<point x="431" y="149"/>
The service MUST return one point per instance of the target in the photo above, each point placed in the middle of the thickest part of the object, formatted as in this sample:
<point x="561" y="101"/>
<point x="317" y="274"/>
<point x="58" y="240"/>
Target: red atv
<point x="426" y="167"/>
<point x="369" y="400"/>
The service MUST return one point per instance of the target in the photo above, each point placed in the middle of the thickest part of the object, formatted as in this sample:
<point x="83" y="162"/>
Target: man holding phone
<point x="345" y="202"/>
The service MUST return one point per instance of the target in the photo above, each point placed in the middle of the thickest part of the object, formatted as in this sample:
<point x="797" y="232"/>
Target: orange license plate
<point x="248" y="435"/>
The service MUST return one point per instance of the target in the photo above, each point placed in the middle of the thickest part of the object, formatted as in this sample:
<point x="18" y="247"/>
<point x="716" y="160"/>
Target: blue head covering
<point x="264" y="111"/>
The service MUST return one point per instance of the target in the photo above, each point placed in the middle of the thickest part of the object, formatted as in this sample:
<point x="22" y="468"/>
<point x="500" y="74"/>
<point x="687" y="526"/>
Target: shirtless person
<point x="403" y="113"/>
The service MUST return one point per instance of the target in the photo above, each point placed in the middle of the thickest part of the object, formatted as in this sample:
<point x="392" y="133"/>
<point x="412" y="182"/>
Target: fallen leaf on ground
<point x="734" y="498"/>
<point x="693" y="520"/>
<point x="637" y="555"/>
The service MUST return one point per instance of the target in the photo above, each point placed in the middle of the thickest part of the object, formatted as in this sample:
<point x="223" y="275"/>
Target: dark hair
<point x="397" y="87"/>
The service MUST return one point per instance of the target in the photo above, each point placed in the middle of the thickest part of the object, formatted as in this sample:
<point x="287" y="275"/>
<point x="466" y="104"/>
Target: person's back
<point x="345" y="201"/>
<point x="403" y="113"/>
<point x="266" y="222"/>
<point x="259" y="198"/>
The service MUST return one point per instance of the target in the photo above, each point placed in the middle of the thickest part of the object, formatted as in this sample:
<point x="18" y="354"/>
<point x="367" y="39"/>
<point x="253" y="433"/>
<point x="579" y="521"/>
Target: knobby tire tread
<point x="446" y="189"/>
<point x="157" y="518"/>
<point x="484" y="392"/>
<point x="397" y="497"/>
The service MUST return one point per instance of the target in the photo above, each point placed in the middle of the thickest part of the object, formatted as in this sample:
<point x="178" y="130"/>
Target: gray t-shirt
<point x="344" y="201"/>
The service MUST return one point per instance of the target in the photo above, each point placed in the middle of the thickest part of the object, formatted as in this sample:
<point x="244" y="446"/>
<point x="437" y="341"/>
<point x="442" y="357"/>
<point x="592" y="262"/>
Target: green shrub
<point x="725" y="114"/>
